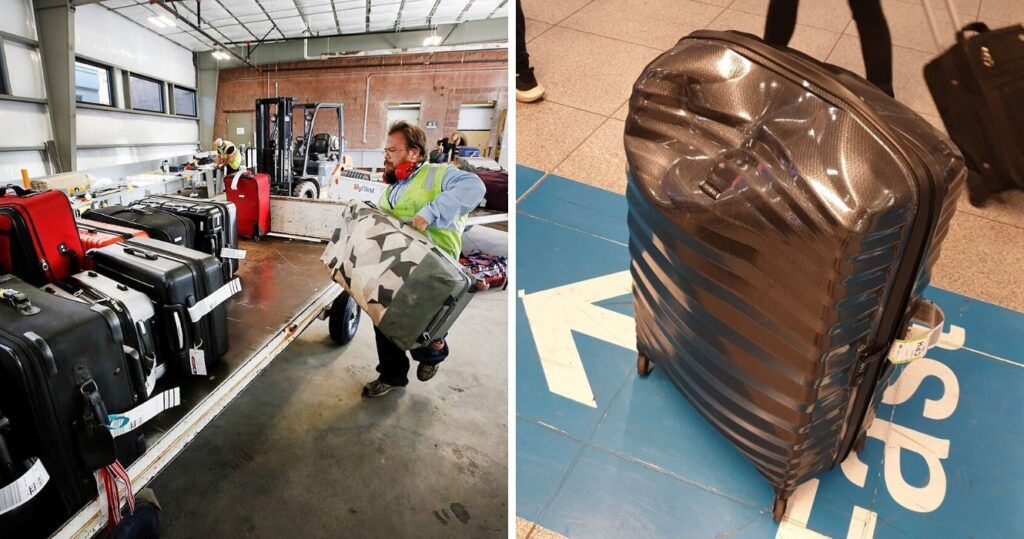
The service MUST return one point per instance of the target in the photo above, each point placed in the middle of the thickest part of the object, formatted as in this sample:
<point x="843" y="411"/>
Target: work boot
<point x="377" y="388"/>
<point x="425" y="372"/>
<point x="528" y="89"/>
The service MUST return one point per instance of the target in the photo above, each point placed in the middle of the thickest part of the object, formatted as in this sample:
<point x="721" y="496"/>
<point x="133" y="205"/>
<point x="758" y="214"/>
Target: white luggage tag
<point x="209" y="303"/>
<point x="919" y="339"/>
<point x="24" y="488"/>
<point x="237" y="254"/>
<point x="132" y="419"/>
<point x="197" y="361"/>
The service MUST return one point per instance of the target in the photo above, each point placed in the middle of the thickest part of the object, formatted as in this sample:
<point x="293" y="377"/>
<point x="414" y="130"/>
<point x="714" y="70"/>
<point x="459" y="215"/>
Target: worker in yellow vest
<point x="227" y="154"/>
<point x="437" y="200"/>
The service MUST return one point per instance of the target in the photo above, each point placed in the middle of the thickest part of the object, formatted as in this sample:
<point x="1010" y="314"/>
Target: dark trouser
<point x="144" y="523"/>
<point x="393" y="362"/>
<point x="875" y="41"/>
<point x="522" y="58"/>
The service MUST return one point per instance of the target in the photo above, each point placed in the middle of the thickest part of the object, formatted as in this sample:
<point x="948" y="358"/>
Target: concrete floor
<point x="301" y="454"/>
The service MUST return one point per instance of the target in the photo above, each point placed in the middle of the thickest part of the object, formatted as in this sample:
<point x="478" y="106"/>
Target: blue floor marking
<point x="526" y="177"/>
<point x="645" y="464"/>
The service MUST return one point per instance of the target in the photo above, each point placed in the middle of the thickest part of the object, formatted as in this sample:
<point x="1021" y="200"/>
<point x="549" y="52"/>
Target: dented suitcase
<point x="411" y="290"/>
<point x="784" y="217"/>
<point x="160" y="225"/>
<point x="213" y="226"/>
<point x="176" y="279"/>
<point x="56" y="400"/>
<point x="38" y="239"/>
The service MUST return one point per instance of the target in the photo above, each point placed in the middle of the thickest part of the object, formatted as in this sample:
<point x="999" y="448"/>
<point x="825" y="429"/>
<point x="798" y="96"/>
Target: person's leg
<point x="778" y="28"/>
<point x="430" y="358"/>
<point x="392" y="364"/>
<point x="522" y="57"/>
<point x="527" y="87"/>
<point x="875" y="42"/>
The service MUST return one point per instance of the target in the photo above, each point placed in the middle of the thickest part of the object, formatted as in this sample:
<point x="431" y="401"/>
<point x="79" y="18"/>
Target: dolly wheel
<point x="780" y="508"/>
<point x="343" y="319"/>
<point x="644" y="366"/>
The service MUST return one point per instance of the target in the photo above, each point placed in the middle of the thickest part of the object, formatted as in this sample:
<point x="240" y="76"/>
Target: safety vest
<point x="423" y="188"/>
<point x="236" y="161"/>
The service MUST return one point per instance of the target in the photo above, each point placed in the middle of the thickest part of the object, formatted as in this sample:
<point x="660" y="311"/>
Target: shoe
<point x="528" y="89"/>
<point x="425" y="372"/>
<point x="377" y="388"/>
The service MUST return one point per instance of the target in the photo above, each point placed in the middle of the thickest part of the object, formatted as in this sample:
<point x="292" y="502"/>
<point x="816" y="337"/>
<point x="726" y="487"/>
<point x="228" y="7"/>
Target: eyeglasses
<point x="393" y="150"/>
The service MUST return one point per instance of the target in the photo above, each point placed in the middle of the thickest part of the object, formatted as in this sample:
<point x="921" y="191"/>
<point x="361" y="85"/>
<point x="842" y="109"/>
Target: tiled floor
<point x="588" y="53"/>
<point x="634" y="459"/>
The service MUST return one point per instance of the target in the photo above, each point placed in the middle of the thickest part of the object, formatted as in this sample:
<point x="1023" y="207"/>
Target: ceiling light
<point x="167" y="21"/>
<point x="220" y="55"/>
<point x="432" y="41"/>
<point x="156" y="22"/>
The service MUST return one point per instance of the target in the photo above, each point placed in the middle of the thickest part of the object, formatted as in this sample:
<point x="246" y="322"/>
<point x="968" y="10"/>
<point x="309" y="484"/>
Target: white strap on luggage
<point x="209" y="303"/>
<point x="132" y="419"/>
<point x="24" y="488"/>
<point x="919" y="339"/>
<point x="228" y="252"/>
<point x="930" y="15"/>
<point x="234" y="180"/>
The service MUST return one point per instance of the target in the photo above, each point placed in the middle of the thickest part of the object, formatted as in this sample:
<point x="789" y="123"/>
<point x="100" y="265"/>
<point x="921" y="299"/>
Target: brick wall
<point x="440" y="83"/>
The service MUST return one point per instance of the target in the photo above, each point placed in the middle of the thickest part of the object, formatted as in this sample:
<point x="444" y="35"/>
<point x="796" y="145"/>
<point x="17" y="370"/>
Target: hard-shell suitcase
<point x="214" y="225"/>
<point x="251" y="195"/>
<point x="95" y="234"/>
<point x="978" y="87"/>
<point x="784" y="216"/>
<point x="63" y="371"/>
<point x="159" y="224"/>
<point x="188" y="290"/>
<point x="135" y="313"/>
<point x="38" y="238"/>
<point x="412" y="290"/>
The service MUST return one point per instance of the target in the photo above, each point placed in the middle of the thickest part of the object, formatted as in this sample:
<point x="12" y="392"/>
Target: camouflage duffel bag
<point x="412" y="290"/>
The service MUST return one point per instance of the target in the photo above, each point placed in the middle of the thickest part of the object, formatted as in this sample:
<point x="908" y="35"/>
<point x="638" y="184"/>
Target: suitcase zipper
<point x="929" y="208"/>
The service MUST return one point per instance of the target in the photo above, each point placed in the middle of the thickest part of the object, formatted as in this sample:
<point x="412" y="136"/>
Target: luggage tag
<point x="132" y="419"/>
<point x="24" y="488"/>
<point x="919" y="338"/>
<point x="237" y="254"/>
<point x="197" y="361"/>
<point x="209" y="303"/>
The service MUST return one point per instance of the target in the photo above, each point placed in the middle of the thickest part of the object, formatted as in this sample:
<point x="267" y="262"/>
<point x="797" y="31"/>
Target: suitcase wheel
<point x="779" y="510"/>
<point x="644" y="366"/>
<point x="343" y="319"/>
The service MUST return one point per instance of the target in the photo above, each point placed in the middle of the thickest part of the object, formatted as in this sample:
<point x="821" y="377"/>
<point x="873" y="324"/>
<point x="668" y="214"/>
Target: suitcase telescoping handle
<point x="930" y="15"/>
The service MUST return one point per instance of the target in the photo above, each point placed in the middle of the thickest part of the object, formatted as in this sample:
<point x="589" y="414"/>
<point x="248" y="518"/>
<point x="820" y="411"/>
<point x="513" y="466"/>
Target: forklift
<point x="301" y="166"/>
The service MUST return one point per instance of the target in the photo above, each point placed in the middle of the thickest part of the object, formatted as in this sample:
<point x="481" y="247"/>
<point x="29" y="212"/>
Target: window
<point x="146" y="94"/>
<point x="92" y="84"/>
<point x="184" y="101"/>
<point x="476" y="116"/>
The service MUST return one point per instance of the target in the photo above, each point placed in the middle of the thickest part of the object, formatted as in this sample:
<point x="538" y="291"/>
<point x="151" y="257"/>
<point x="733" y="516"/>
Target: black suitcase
<point x="978" y="87"/>
<point x="63" y="370"/>
<point x="216" y="225"/>
<point x="176" y="279"/>
<point x="784" y="216"/>
<point x="134" y="311"/>
<point x="159" y="224"/>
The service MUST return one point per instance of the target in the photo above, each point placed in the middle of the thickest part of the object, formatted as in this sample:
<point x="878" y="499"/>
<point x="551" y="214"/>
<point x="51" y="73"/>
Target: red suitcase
<point x="38" y="239"/>
<point x="95" y="234"/>
<point x="251" y="195"/>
